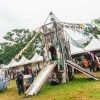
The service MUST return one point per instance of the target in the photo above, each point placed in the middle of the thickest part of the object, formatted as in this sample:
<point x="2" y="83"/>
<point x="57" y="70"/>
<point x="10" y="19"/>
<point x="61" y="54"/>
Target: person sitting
<point x="54" y="80"/>
<point x="27" y="84"/>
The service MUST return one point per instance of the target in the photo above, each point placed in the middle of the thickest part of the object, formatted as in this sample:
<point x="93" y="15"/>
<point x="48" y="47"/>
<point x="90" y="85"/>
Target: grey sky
<point x="30" y="14"/>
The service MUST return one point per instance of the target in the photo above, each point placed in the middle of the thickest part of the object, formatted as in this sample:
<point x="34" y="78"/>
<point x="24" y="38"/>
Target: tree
<point x="17" y="39"/>
<point x="95" y="31"/>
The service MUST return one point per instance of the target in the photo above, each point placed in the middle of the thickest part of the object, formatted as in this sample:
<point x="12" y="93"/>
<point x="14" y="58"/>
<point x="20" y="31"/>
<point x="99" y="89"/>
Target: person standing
<point x="86" y="63"/>
<point x="20" y="83"/>
<point x="32" y="77"/>
<point x="92" y="65"/>
<point x="53" y="52"/>
<point x="15" y="76"/>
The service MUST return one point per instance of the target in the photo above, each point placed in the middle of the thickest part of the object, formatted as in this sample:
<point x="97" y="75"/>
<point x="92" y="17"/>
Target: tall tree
<point x="17" y="39"/>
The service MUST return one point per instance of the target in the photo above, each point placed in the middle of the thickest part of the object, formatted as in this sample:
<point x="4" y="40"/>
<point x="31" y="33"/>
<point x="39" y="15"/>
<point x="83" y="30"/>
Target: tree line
<point x="16" y="40"/>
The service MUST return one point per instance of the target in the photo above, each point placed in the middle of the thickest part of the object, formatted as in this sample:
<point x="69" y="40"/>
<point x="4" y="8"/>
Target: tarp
<point x="75" y="50"/>
<point x="26" y="61"/>
<point x="93" y="45"/>
<point x="22" y="60"/>
<point x="14" y="64"/>
<point x="80" y="43"/>
<point x="36" y="58"/>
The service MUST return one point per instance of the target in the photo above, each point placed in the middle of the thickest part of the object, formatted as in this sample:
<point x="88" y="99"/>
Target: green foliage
<point x="96" y="29"/>
<point x="97" y="21"/>
<point x="17" y="40"/>
<point x="85" y="44"/>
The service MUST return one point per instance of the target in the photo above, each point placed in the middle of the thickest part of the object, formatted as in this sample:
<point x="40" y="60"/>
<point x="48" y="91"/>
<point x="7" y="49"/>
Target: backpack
<point x="20" y="78"/>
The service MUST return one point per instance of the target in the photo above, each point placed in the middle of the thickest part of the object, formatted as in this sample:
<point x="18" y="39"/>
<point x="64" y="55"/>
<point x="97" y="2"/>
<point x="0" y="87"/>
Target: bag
<point x="20" y="78"/>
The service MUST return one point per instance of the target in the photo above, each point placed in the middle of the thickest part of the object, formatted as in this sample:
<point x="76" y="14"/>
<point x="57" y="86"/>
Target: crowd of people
<point x="91" y="64"/>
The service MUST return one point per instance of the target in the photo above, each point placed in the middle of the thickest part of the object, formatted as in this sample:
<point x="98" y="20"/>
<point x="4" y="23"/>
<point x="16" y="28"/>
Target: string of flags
<point x="81" y="28"/>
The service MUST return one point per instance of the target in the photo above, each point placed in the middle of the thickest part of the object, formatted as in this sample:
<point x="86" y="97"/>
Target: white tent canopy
<point x="23" y="59"/>
<point x="15" y="63"/>
<point x="75" y="50"/>
<point x="39" y="58"/>
<point x="26" y="61"/>
<point x="93" y="45"/>
<point x="34" y="57"/>
<point x="80" y="43"/>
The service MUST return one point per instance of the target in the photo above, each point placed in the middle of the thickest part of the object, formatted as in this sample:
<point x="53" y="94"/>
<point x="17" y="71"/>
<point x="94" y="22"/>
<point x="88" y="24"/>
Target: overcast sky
<point x="30" y="14"/>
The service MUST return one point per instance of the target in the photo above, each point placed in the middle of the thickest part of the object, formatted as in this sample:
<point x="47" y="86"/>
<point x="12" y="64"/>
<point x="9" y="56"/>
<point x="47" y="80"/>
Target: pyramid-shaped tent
<point x="23" y="59"/>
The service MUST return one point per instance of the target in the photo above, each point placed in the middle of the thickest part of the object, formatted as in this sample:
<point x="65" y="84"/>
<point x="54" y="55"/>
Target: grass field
<point x="80" y="88"/>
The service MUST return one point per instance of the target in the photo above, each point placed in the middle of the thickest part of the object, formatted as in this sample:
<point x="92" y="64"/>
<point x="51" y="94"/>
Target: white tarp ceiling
<point x="80" y="43"/>
<point x="15" y="63"/>
<point x="74" y="49"/>
<point x="36" y="58"/>
<point x="23" y="60"/>
<point x="93" y="45"/>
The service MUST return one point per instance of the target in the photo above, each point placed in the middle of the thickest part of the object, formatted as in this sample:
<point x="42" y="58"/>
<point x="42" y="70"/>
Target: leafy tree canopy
<point x="17" y="39"/>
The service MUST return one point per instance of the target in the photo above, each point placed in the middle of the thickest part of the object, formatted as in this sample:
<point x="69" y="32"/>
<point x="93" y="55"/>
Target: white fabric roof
<point x="22" y="60"/>
<point x="34" y="57"/>
<point x="75" y="50"/>
<point x="80" y="42"/>
<point x="39" y="58"/>
<point x="7" y="66"/>
<point x="93" y="45"/>
<point x="26" y="61"/>
<point x="13" y="64"/>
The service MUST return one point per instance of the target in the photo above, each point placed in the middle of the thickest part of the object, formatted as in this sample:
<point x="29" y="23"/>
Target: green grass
<point x="80" y="88"/>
